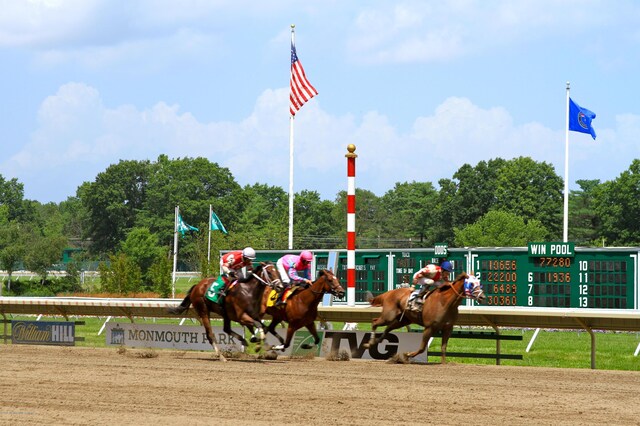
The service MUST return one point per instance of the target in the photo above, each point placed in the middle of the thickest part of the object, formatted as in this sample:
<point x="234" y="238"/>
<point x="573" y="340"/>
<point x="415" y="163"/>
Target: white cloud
<point x="418" y="31"/>
<point x="44" y="22"/>
<point x="78" y="137"/>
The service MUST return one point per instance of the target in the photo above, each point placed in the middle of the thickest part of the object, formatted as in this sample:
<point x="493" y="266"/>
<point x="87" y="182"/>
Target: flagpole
<point x="175" y="252"/>
<point x="565" y="233"/>
<point x="209" y="245"/>
<point x="291" y="118"/>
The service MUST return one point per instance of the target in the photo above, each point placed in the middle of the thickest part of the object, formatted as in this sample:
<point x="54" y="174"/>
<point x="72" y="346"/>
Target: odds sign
<point x="557" y="275"/>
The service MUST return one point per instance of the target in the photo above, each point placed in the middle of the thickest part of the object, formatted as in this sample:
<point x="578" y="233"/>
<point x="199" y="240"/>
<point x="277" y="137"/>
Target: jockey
<point x="293" y="270"/>
<point x="431" y="275"/>
<point x="234" y="265"/>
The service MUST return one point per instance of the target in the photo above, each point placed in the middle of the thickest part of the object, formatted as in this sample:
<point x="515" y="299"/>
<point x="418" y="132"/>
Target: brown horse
<point x="439" y="311"/>
<point x="301" y="309"/>
<point x="243" y="304"/>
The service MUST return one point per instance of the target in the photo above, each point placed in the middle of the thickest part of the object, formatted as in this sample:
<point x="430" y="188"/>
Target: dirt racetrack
<point x="91" y="386"/>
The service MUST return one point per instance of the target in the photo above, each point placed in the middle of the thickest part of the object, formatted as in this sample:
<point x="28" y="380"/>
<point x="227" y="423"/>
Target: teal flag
<point x="216" y="223"/>
<point x="183" y="227"/>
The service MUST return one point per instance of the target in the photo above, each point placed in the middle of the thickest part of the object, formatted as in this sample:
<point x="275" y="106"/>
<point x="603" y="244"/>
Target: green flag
<point x="216" y="223"/>
<point x="183" y="227"/>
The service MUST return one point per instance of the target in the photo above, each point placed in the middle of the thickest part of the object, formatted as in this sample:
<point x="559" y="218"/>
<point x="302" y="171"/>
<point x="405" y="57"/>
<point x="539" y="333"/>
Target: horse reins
<point x="460" y="295"/>
<point x="265" y="282"/>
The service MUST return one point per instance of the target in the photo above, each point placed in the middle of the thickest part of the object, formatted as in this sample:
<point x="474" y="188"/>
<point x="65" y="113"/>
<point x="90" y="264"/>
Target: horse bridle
<point x="463" y="294"/>
<point x="332" y="289"/>
<point x="266" y="280"/>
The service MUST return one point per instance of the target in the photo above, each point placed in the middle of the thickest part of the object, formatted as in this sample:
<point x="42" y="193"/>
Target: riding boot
<point x="421" y="294"/>
<point x="223" y="291"/>
<point x="280" y="301"/>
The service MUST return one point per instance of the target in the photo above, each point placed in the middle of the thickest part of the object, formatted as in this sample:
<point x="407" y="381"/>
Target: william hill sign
<point x="43" y="333"/>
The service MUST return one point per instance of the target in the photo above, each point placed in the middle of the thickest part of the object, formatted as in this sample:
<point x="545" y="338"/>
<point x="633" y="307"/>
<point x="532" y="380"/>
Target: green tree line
<point x="126" y="216"/>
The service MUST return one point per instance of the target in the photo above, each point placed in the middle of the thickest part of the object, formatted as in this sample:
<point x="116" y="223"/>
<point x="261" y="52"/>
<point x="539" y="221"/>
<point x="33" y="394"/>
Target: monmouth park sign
<point x="194" y="338"/>
<point x="168" y="337"/>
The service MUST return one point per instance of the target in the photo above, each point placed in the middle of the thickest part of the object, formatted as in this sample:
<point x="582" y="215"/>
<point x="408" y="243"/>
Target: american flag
<point x="301" y="89"/>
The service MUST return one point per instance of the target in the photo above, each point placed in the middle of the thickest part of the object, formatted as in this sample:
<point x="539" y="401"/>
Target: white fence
<point x="488" y="316"/>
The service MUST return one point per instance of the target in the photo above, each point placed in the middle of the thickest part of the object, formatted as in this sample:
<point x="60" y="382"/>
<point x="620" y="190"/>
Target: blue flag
<point x="183" y="227"/>
<point x="580" y="119"/>
<point x="216" y="223"/>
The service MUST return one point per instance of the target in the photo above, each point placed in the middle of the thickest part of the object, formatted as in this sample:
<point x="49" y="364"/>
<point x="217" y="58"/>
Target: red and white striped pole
<point x="351" y="224"/>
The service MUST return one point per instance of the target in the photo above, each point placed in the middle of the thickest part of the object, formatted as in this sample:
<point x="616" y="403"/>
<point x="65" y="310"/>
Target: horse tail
<point x="374" y="301"/>
<point x="184" y="305"/>
<point x="369" y="296"/>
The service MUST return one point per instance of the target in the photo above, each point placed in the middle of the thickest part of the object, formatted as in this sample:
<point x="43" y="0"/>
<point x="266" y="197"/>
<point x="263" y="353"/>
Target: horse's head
<point x="473" y="288"/>
<point x="331" y="285"/>
<point x="267" y="273"/>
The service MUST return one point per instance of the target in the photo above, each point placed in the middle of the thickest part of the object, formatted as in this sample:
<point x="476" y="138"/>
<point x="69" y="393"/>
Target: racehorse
<point x="301" y="309"/>
<point x="439" y="311"/>
<point x="243" y="304"/>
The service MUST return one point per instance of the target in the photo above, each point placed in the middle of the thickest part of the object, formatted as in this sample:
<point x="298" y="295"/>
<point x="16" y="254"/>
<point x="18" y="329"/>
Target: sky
<point x="419" y="87"/>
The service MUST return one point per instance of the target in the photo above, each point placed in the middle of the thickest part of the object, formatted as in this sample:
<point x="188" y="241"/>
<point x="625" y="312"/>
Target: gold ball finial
<point x="351" y="148"/>
<point x="293" y="25"/>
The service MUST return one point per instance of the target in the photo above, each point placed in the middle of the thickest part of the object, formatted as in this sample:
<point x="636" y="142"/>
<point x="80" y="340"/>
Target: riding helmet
<point x="249" y="253"/>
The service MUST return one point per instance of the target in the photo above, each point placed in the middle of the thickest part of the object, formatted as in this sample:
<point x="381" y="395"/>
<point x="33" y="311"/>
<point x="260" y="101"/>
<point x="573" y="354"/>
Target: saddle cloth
<point x="214" y="289"/>
<point x="273" y="296"/>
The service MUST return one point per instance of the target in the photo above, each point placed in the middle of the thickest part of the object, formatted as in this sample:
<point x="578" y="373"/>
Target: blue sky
<point x="420" y="87"/>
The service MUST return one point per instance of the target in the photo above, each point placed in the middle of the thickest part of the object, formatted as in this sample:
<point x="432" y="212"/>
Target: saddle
<point x="415" y="303"/>
<point x="273" y="295"/>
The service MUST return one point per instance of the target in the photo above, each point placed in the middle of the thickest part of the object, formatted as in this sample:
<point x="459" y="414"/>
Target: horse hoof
<point x="306" y="346"/>
<point x="253" y="339"/>
<point x="278" y="348"/>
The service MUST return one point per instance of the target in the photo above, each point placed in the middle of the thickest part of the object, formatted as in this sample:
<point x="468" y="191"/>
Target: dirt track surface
<point x="87" y="386"/>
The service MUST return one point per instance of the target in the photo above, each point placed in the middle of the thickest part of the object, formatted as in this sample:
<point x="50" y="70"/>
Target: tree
<point x="12" y="196"/>
<point x="369" y="227"/>
<point x="160" y="276"/>
<point x="12" y="247"/>
<point x="584" y="224"/>
<point x="476" y="190"/>
<point x="113" y="202"/>
<point x="193" y="184"/>
<point x="531" y="190"/>
<point x="42" y="252"/>
<point x="122" y="276"/>
<point x="263" y="219"/>
<point x="313" y="224"/>
<point x="500" y="229"/>
<point x="142" y="248"/>
<point x="74" y="218"/>
<point x="617" y="205"/>
<point x="408" y="211"/>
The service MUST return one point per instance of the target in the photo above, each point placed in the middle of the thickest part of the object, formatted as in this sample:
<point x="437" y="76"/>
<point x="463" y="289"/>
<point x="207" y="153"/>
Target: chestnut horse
<point x="243" y="303"/>
<point x="439" y="311"/>
<point x="301" y="309"/>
